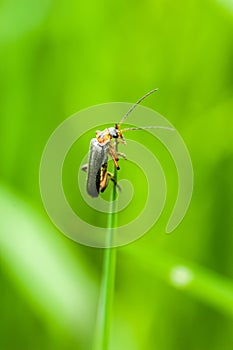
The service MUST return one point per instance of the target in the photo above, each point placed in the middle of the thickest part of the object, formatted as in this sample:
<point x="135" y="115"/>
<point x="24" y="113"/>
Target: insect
<point x="104" y="145"/>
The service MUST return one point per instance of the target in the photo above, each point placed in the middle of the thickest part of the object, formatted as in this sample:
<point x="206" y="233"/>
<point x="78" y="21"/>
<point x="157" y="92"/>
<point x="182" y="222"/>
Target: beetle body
<point x="98" y="157"/>
<point x="104" y="145"/>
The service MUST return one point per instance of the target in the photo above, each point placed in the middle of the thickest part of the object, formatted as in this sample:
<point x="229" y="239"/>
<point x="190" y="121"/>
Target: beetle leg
<point x="109" y="176"/>
<point x="121" y="140"/>
<point x="112" y="149"/>
<point x="121" y="155"/>
<point x="112" y="178"/>
<point x="104" y="178"/>
<point x="114" y="156"/>
<point x="84" y="167"/>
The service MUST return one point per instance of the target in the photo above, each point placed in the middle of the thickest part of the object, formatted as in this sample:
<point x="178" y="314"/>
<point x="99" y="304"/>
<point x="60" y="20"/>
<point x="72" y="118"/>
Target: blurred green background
<point x="172" y="291"/>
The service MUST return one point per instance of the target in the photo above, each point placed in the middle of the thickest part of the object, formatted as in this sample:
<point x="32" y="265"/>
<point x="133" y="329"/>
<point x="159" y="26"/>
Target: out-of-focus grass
<point x="203" y="284"/>
<point x="57" y="285"/>
<point x="61" y="291"/>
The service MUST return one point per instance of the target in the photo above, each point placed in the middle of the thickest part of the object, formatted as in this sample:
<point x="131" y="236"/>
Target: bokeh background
<point x="172" y="291"/>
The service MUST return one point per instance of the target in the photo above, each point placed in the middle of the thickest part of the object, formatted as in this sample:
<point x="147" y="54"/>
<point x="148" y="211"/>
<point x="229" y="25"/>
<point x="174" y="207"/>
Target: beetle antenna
<point x="148" y="127"/>
<point x="135" y="105"/>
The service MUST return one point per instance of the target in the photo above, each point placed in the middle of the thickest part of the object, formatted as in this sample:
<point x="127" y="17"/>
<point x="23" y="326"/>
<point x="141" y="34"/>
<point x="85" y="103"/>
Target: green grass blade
<point x="103" y="322"/>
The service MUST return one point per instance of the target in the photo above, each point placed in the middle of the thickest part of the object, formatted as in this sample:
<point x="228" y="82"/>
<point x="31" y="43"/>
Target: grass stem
<point x="104" y="311"/>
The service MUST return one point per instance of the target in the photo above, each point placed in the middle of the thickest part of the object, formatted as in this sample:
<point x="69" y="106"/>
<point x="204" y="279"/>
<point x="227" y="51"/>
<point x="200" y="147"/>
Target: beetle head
<point x="113" y="132"/>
